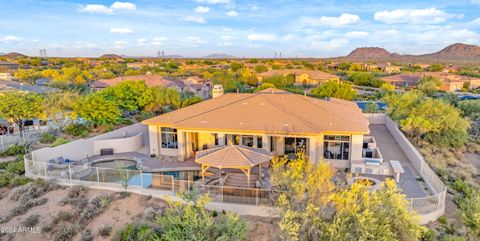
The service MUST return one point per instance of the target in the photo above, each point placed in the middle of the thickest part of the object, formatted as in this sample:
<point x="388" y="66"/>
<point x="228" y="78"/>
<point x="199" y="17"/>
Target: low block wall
<point x="376" y="118"/>
<point x="127" y="144"/>
<point x="84" y="148"/>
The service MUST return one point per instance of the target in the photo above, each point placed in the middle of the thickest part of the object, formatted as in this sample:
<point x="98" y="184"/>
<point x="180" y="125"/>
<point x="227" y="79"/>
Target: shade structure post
<point x="203" y="174"/>
<point x="248" y="176"/>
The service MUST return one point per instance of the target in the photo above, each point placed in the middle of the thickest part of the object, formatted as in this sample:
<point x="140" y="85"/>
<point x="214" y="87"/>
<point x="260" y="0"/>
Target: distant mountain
<point x="111" y="56"/>
<point x="13" y="55"/>
<point x="457" y="51"/>
<point x="369" y="53"/>
<point x="219" y="56"/>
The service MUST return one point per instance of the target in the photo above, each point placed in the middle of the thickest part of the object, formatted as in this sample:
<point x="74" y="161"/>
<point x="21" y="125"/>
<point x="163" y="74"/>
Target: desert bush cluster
<point x="29" y="195"/>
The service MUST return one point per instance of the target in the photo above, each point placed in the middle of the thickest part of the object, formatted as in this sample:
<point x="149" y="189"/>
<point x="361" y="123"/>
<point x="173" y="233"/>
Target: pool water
<point x="363" y="105"/>
<point x="117" y="164"/>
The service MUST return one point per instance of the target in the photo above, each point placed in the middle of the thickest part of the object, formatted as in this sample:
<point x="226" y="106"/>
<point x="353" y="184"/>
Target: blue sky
<point x="238" y="27"/>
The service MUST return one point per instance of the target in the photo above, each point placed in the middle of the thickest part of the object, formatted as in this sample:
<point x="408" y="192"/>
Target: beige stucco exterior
<point x="190" y="141"/>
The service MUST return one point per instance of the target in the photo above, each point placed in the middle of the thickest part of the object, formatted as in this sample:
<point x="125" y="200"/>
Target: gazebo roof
<point x="232" y="156"/>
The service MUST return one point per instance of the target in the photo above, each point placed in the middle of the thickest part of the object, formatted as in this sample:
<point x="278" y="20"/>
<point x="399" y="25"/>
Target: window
<point x="236" y="139"/>
<point x="272" y="143"/>
<point x="259" y="142"/>
<point x="336" y="147"/>
<point x="247" y="141"/>
<point x="292" y="145"/>
<point x="169" y="138"/>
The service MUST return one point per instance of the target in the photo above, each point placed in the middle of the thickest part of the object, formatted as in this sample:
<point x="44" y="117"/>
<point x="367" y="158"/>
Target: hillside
<point x="457" y="51"/>
<point x="369" y="53"/>
<point x="13" y="55"/>
<point x="454" y="52"/>
<point x="219" y="56"/>
<point x="111" y="56"/>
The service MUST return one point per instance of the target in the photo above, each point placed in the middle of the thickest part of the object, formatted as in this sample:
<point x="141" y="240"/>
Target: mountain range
<point x="454" y="52"/>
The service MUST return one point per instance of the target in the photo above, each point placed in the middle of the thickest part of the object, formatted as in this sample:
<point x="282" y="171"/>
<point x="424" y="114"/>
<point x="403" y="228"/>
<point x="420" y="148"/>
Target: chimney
<point x="217" y="91"/>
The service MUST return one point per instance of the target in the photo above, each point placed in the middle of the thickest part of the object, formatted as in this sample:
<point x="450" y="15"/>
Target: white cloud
<point x="10" y="39"/>
<point x="159" y="40"/>
<point x="214" y="1"/>
<point x="261" y="37"/>
<point x="124" y="6"/>
<point x="96" y="8"/>
<point x="329" y="45"/>
<point x="342" y="20"/>
<point x="226" y="41"/>
<point x="195" y="19"/>
<point x="121" y="30"/>
<point x="475" y="22"/>
<point x="253" y="7"/>
<point x="142" y="40"/>
<point x="227" y="30"/>
<point x="84" y="45"/>
<point x="356" y="34"/>
<point x="232" y="13"/>
<point x="119" y="44"/>
<point x="201" y="9"/>
<point x="100" y="8"/>
<point x="475" y="1"/>
<point x="413" y="16"/>
<point x="194" y="41"/>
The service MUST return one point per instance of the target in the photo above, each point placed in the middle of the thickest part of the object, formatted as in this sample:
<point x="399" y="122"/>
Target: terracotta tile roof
<point x="232" y="156"/>
<point x="314" y="74"/>
<point x="270" y="111"/>
<point x="150" y="79"/>
<point x="415" y="77"/>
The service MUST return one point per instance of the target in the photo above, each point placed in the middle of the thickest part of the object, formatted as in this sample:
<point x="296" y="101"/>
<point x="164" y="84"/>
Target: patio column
<point x="248" y="176"/>
<point x="266" y="143"/>
<point x="221" y="139"/>
<point x="181" y="145"/>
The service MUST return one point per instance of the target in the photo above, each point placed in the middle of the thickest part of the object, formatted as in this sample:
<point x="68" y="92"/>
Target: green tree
<point x="264" y="86"/>
<point x="261" y="68"/>
<point x="387" y="87"/>
<point x="50" y="73"/>
<point x="191" y="221"/>
<point x="129" y="95"/>
<point x="98" y="110"/>
<point x="191" y="100"/>
<point x="429" y="84"/>
<point x="17" y="107"/>
<point x="164" y="99"/>
<point x="27" y="75"/>
<point x="60" y="106"/>
<point x="336" y="90"/>
<point x="364" y="79"/>
<point x="469" y="107"/>
<point x="435" y="67"/>
<point x="236" y="66"/>
<point x="280" y="81"/>
<point x="312" y="207"/>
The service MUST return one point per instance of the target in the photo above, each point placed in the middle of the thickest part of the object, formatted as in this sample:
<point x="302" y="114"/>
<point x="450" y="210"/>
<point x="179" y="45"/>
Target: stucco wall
<point x="83" y="148"/>
<point x="127" y="144"/>
<point x="376" y="118"/>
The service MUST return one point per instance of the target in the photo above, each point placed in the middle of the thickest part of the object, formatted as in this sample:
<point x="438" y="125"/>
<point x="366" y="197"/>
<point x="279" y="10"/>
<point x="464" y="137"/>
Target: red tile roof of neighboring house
<point x="314" y="74"/>
<point x="151" y="80"/>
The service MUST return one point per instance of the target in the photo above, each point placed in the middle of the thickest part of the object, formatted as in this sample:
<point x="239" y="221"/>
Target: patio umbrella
<point x="234" y="157"/>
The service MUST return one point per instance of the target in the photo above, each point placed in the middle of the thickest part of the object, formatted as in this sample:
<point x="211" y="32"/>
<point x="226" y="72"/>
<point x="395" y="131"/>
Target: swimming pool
<point x="363" y="104"/>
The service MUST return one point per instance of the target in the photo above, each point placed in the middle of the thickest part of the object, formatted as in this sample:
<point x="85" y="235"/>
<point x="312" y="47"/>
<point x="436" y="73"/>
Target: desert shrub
<point x="105" y="230"/>
<point x="144" y="115"/>
<point x="15" y="167"/>
<point x="62" y="216"/>
<point x="453" y="238"/>
<point x="86" y="236"/>
<point x="5" y="179"/>
<point x="126" y="121"/>
<point x="138" y="232"/>
<point x="31" y="220"/>
<point x="29" y="196"/>
<point x="60" y="141"/>
<point x="14" y="150"/>
<point x="121" y="195"/>
<point x="470" y="212"/>
<point x="429" y="235"/>
<point x="96" y="206"/>
<point x="47" y="138"/>
<point x="78" y="130"/>
<point x="19" y="181"/>
<point x="65" y="233"/>
<point x="77" y="191"/>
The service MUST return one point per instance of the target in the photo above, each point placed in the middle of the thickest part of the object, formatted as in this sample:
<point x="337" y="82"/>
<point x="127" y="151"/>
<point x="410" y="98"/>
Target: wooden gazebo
<point x="232" y="157"/>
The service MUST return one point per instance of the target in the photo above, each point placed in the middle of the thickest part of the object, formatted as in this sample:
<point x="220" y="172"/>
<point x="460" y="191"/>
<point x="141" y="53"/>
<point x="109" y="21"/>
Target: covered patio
<point x="236" y="157"/>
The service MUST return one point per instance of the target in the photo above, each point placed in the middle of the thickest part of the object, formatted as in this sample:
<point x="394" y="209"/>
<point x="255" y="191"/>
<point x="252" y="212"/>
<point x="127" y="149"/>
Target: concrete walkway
<point x="391" y="151"/>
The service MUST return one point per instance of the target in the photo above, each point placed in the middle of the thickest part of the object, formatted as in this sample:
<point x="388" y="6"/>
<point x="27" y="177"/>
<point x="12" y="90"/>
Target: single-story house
<point x="276" y="121"/>
<point x="305" y="77"/>
<point x="450" y="82"/>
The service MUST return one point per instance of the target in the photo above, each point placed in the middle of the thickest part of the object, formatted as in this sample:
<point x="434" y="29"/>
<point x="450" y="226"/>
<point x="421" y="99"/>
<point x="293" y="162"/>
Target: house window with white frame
<point x="336" y="147"/>
<point x="169" y="138"/>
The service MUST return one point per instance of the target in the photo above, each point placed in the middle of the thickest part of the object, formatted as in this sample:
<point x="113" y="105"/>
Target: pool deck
<point x="152" y="164"/>
<point x="391" y="151"/>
